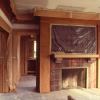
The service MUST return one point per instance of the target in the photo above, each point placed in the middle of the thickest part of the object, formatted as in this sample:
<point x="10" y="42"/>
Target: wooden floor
<point x="26" y="91"/>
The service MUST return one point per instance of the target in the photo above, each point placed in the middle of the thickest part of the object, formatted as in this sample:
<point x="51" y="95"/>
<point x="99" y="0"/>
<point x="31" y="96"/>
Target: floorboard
<point x="26" y="91"/>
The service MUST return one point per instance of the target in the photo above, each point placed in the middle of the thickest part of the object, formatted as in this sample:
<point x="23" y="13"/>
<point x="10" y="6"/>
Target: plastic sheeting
<point x="74" y="39"/>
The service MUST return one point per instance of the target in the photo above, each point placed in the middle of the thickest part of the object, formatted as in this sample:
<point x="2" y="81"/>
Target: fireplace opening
<point x="74" y="78"/>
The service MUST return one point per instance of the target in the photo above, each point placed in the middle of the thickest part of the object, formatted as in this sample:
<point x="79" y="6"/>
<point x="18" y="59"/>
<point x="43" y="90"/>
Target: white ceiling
<point x="27" y="6"/>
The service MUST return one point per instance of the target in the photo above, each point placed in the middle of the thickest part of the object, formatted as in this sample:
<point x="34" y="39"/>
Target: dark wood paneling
<point x="3" y="62"/>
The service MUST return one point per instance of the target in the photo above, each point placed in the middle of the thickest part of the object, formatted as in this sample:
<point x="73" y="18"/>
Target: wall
<point x="14" y="60"/>
<point x="4" y="85"/>
<point x="45" y="46"/>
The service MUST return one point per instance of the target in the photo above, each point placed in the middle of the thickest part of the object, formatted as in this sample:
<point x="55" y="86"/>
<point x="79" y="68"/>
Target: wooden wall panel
<point x="22" y="56"/>
<point x="45" y="44"/>
<point x="98" y="64"/>
<point x="44" y="57"/>
<point x="1" y="68"/>
<point x="3" y="62"/>
<point x="92" y="78"/>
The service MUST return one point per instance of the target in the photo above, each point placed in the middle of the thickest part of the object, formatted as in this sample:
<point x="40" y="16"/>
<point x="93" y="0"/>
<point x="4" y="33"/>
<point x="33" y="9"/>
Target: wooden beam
<point x="72" y="55"/>
<point x="4" y="22"/>
<point x="66" y="14"/>
<point x="4" y="25"/>
<point x="26" y="17"/>
<point x="13" y="6"/>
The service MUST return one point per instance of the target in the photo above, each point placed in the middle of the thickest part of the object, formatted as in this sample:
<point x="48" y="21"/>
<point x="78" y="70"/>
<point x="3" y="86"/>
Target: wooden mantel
<point x="74" y="55"/>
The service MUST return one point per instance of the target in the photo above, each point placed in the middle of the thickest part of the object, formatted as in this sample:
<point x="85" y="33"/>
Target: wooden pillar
<point x="15" y="60"/>
<point x="3" y="61"/>
<point x="98" y="64"/>
<point x="44" y="57"/>
<point x="9" y="62"/>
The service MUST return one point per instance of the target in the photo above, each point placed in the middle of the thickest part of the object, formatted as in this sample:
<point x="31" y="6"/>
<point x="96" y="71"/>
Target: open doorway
<point x="28" y="62"/>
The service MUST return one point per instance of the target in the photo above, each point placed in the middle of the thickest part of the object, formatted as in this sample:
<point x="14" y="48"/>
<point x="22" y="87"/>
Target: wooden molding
<point x="66" y="14"/>
<point x="74" y="55"/>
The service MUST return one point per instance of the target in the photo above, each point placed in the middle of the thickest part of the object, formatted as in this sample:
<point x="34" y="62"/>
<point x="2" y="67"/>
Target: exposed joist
<point x="25" y="17"/>
<point x="13" y="6"/>
<point x="4" y="22"/>
<point x="25" y="26"/>
<point x="8" y="26"/>
<point x="66" y="14"/>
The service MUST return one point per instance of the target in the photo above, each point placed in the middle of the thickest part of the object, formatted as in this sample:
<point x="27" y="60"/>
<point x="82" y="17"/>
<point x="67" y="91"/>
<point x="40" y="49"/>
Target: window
<point x="34" y="49"/>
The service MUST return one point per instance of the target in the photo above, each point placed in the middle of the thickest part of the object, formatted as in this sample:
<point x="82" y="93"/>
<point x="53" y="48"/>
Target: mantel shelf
<point x="73" y="55"/>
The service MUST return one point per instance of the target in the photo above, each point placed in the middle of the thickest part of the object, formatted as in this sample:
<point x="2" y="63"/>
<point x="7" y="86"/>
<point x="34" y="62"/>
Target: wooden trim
<point x="66" y="14"/>
<point x="5" y="26"/>
<point x="98" y="60"/>
<point x="70" y="55"/>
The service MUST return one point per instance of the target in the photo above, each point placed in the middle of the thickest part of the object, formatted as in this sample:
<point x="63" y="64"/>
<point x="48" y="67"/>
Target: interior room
<point x="49" y="50"/>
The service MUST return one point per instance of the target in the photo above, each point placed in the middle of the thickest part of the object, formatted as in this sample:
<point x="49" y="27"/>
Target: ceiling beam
<point x="13" y="6"/>
<point x="26" y="17"/>
<point x="4" y="22"/>
<point x="66" y="14"/>
<point x="22" y="17"/>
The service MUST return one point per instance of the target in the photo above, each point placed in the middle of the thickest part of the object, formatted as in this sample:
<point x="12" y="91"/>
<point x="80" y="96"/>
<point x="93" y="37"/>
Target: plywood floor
<point x="26" y="91"/>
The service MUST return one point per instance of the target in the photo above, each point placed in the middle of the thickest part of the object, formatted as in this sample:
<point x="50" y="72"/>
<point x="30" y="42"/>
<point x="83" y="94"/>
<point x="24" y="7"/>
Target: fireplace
<point x="73" y="73"/>
<point x="74" y="77"/>
<point x="73" y="56"/>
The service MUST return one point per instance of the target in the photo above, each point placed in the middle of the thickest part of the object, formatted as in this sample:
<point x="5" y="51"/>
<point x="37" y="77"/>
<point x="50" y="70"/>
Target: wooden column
<point x="98" y="64"/>
<point x="44" y="57"/>
<point x="4" y="85"/>
<point x="15" y="59"/>
<point x="9" y="62"/>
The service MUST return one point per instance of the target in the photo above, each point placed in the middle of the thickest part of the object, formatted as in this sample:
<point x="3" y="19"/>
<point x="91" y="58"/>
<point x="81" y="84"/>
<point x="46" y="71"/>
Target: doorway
<point x="28" y="62"/>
